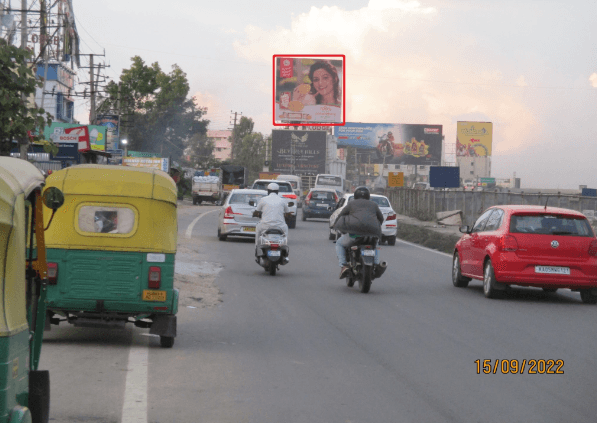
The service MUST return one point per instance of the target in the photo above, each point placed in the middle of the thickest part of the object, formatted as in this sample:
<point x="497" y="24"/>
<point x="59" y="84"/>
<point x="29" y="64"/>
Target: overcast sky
<point x="530" y="67"/>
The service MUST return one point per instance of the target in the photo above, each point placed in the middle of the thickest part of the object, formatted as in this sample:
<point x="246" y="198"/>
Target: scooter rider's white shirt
<point x="273" y="208"/>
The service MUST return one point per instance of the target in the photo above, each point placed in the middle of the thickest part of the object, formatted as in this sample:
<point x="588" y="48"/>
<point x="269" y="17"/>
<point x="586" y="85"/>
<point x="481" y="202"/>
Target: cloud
<point x="521" y="82"/>
<point x="593" y="79"/>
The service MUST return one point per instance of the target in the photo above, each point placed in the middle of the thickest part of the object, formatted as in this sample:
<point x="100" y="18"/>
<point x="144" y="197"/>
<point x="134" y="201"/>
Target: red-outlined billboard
<point x="309" y="89"/>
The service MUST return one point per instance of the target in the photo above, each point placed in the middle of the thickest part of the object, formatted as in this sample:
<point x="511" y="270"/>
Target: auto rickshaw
<point x="111" y="250"/>
<point x="24" y="390"/>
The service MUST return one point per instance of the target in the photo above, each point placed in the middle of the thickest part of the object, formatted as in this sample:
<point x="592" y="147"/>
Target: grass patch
<point x="427" y="238"/>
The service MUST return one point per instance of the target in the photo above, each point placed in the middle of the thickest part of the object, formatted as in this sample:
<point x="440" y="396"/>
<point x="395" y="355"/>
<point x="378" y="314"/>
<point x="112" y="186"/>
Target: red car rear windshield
<point x="549" y="224"/>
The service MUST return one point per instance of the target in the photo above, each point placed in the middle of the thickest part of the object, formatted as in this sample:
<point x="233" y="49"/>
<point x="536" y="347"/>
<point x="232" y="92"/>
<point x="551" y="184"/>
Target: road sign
<point x="395" y="179"/>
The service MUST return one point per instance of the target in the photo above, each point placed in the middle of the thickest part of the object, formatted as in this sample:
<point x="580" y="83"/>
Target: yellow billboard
<point x="473" y="139"/>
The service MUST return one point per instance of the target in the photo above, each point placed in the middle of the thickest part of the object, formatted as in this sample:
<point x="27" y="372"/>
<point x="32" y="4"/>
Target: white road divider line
<point x="134" y="408"/>
<point x="189" y="230"/>
<point x="424" y="248"/>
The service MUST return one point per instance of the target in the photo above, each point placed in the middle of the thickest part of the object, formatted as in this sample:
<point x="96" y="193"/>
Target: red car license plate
<point x="552" y="270"/>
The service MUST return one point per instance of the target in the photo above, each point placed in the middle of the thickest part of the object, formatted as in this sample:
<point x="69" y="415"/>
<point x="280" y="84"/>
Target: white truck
<point x="206" y="188"/>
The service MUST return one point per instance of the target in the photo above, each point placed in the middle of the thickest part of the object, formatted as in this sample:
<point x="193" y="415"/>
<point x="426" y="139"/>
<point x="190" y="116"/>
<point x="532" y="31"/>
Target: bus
<point x="335" y="182"/>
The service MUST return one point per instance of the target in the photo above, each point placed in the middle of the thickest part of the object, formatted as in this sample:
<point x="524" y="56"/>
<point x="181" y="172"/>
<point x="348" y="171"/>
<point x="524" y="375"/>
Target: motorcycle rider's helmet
<point x="273" y="187"/>
<point x="362" y="192"/>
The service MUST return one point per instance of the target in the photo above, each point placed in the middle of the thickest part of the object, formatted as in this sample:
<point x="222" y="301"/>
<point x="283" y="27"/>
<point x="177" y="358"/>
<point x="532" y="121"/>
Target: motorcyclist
<point x="272" y="210"/>
<point x="360" y="217"/>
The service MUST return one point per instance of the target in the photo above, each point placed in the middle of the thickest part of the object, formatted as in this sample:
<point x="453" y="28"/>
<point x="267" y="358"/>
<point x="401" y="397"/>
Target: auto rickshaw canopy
<point x="18" y="178"/>
<point x="149" y="196"/>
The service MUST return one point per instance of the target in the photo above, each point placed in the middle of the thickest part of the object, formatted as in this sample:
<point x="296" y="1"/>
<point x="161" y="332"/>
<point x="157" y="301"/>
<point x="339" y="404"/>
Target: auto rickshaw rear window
<point x="106" y="220"/>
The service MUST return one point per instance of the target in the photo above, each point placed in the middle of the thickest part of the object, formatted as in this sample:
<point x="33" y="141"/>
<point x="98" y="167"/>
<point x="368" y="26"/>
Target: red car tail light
<point x="391" y="217"/>
<point x="154" y="279"/>
<point x="52" y="273"/>
<point x="291" y="196"/>
<point x="308" y="199"/>
<point x="592" y="248"/>
<point x="229" y="214"/>
<point x="508" y="243"/>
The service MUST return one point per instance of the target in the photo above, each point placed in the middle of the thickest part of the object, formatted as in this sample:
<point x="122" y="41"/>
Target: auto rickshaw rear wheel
<point x="39" y="395"/>
<point x="166" y="341"/>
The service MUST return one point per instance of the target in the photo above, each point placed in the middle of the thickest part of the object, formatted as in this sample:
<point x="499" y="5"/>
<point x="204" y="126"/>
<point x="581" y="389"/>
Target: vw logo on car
<point x="555" y="244"/>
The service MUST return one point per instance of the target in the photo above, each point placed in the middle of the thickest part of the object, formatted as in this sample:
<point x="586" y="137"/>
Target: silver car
<point x="389" y="227"/>
<point x="236" y="215"/>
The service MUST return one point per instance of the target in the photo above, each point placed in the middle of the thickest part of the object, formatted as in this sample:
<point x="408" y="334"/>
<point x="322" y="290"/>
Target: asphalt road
<point x="302" y="347"/>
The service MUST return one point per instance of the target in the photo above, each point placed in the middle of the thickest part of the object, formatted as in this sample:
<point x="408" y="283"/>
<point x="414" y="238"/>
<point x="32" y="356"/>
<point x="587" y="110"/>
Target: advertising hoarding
<point x="309" y="90"/>
<point x="110" y="122"/>
<point x="154" y="162"/>
<point x="57" y="133"/>
<point x="444" y="177"/>
<point x="298" y="152"/>
<point x="393" y="143"/>
<point x="473" y="139"/>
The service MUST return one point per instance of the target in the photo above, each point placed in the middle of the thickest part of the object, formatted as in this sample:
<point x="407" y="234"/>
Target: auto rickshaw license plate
<point x="149" y="295"/>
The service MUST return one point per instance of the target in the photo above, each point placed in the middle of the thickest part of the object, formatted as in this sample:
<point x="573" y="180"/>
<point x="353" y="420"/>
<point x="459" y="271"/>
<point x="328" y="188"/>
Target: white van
<point x="295" y="181"/>
<point x="335" y="182"/>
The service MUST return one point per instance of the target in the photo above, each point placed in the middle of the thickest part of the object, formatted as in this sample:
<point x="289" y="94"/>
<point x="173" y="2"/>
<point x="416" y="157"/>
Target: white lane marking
<point x="424" y="248"/>
<point x="134" y="409"/>
<point x="189" y="230"/>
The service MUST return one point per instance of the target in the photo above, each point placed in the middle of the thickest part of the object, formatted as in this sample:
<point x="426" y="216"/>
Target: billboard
<point x="309" y="90"/>
<point x="154" y="162"/>
<point x="473" y="139"/>
<point x="393" y="143"/>
<point x="298" y="152"/>
<point x="444" y="177"/>
<point x="58" y="134"/>
<point x="110" y="122"/>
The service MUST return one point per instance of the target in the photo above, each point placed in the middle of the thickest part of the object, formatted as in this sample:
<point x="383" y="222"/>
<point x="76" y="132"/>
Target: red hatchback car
<point x="545" y="247"/>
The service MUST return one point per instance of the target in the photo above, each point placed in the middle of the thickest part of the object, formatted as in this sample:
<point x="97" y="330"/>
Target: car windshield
<point x="381" y="201"/>
<point x="549" y="224"/>
<point x="322" y="195"/>
<point x="285" y="187"/>
<point x="245" y="198"/>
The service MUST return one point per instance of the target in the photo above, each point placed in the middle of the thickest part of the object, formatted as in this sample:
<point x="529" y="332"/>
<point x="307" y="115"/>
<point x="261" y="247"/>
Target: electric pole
<point x="24" y="144"/>
<point x="233" y="135"/>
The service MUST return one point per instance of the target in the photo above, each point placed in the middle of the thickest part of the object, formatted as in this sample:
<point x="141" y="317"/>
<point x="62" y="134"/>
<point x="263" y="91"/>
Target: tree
<point x="200" y="150"/>
<point x="158" y="115"/>
<point x="250" y="153"/>
<point x="244" y="128"/>
<point x="18" y="81"/>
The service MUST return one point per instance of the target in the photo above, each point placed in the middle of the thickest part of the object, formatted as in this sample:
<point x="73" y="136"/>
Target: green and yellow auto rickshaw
<point x="24" y="390"/>
<point x="111" y="249"/>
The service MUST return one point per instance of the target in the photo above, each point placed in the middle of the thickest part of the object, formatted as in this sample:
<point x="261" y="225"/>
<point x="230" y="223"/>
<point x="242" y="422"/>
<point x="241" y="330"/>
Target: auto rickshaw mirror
<point x="53" y="198"/>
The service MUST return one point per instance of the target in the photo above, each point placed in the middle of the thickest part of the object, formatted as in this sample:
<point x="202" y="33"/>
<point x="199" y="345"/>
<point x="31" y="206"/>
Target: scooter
<point x="361" y="262"/>
<point x="272" y="249"/>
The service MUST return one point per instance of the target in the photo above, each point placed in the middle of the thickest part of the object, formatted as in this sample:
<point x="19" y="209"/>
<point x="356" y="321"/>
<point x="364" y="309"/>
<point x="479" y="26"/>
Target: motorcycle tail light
<point x="274" y="246"/>
<point x="52" y="273"/>
<point x="154" y="278"/>
<point x="592" y="248"/>
<point x="508" y="243"/>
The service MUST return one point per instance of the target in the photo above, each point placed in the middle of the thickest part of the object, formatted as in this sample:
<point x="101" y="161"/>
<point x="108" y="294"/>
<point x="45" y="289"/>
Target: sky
<point x="530" y="67"/>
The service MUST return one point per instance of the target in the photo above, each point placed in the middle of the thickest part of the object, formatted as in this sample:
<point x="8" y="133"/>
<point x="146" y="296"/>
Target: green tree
<point x="17" y="80"/>
<point x="158" y="115"/>
<point x="200" y="151"/>
<point x="250" y="152"/>
<point x="244" y="128"/>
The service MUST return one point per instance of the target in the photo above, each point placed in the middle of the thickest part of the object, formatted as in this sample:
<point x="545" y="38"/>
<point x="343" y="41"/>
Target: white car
<point x="236" y="215"/>
<point x="285" y="192"/>
<point x="389" y="227"/>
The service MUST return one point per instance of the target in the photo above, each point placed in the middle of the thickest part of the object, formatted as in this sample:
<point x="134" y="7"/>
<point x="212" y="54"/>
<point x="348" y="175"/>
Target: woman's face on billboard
<point x="323" y="82"/>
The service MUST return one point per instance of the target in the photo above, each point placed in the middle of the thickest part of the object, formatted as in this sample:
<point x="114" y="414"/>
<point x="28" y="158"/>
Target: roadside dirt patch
<point x="194" y="278"/>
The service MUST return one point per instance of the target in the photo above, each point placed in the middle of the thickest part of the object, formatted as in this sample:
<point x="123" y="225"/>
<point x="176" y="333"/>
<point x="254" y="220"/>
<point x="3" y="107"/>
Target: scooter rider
<point x="272" y="209"/>
<point x="360" y="217"/>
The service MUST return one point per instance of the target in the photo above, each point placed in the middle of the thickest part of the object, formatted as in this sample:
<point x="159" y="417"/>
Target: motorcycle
<point x="272" y="249"/>
<point x="361" y="263"/>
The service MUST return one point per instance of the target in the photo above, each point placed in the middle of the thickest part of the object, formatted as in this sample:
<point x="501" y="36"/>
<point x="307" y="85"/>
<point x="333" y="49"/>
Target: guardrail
<point x="424" y="204"/>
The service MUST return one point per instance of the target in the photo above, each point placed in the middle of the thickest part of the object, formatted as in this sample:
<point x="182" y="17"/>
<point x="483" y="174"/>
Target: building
<point x="474" y="168"/>
<point x="59" y="87"/>
<point x="222" y="145"/>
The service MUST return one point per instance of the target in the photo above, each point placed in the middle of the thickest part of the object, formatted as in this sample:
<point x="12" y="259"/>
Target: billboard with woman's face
<point x="309" y="90"/>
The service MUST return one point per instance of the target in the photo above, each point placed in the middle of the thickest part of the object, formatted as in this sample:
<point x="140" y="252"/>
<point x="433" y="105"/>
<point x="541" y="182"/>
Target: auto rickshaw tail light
<point x="52" y="273"/>
<point x="154" y="278"/>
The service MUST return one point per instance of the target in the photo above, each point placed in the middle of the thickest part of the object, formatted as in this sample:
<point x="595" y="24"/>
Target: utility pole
<point x="24" y="143"/>
<point x="233" y="135"/>
<point x="92" y="91"/>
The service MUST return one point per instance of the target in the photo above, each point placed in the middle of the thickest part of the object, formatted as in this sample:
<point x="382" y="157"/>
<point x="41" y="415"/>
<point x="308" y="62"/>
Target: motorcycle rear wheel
<point x="272" y="269"/>
<point x="365" y="279"/>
